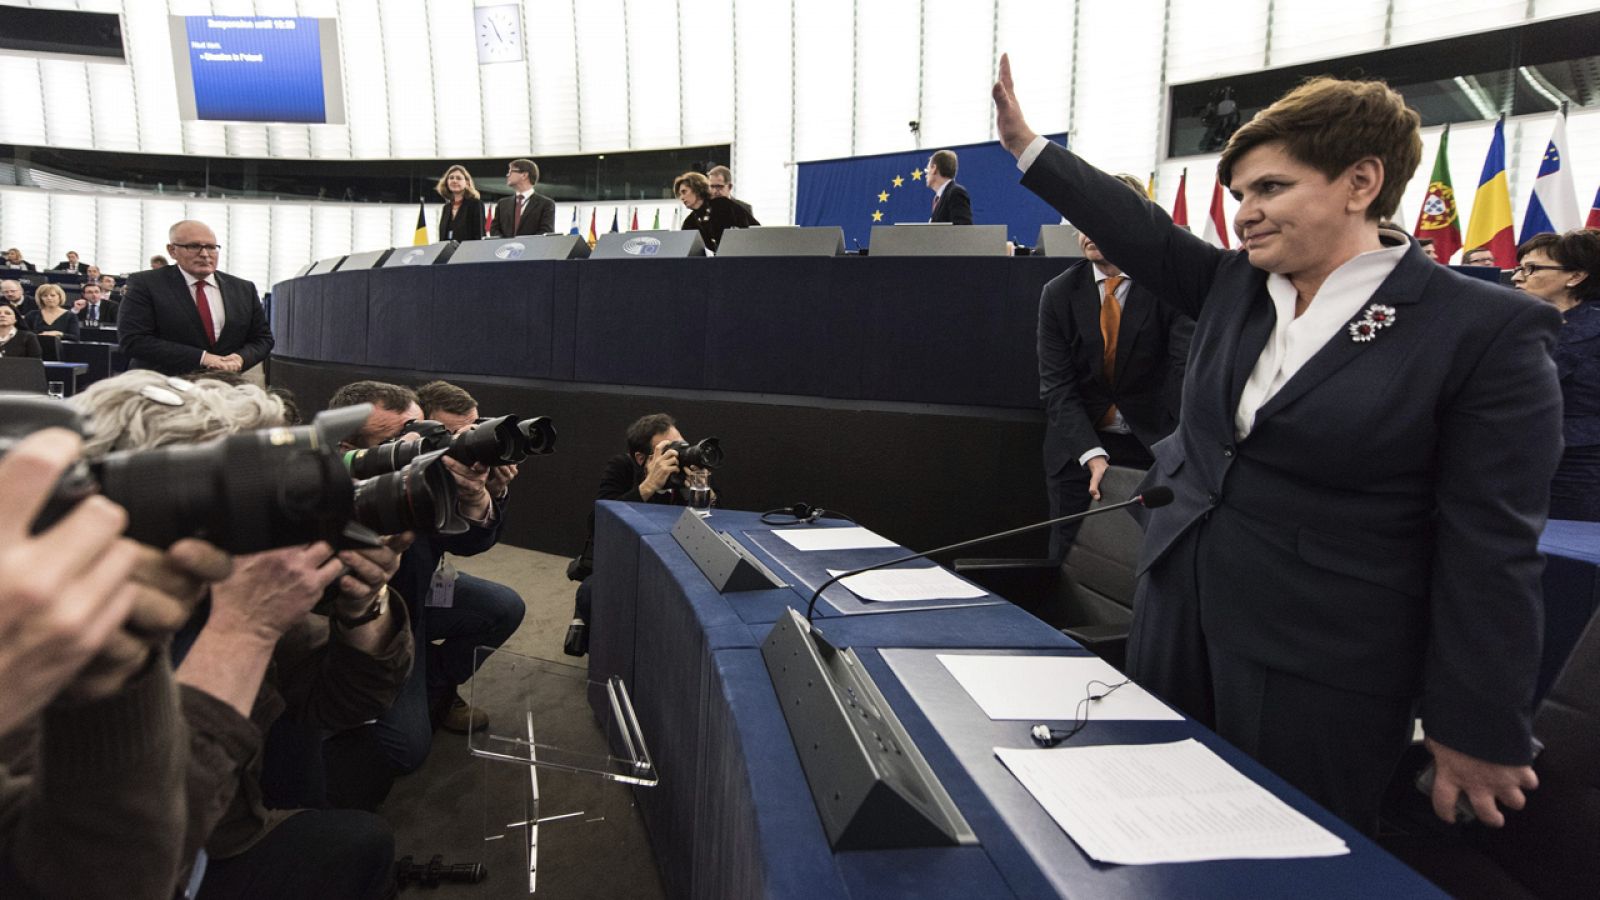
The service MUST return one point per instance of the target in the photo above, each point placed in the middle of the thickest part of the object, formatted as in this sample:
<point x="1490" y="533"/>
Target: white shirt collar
<point x="189" y="280"/>
<point x="525" y="195"/>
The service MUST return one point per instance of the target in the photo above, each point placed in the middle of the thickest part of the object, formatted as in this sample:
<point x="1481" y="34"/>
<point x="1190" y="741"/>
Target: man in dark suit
<point x="71" y="264"/>
<point x="1362" y="467"/>
<point x="950" y="201"/>
<point x="191" y="316"/>
<point x="1103" y="407"/>
<point x="721" y="181"/>
<point x="94" y="306"/>
<point x="523" y="213"/>
<point x="11" y="294"/>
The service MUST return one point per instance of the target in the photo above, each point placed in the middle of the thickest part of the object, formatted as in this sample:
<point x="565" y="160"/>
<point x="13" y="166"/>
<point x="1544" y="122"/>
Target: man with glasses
<point x="721" y="180"/>
<point x="190" y="316"/>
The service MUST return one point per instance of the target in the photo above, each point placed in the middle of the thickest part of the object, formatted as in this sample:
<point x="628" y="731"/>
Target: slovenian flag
<point x="1216" y="231"/>
<point x="1554" y="204"/>
<point x="1594" y="212"/>
<point x="1491" y="207"/>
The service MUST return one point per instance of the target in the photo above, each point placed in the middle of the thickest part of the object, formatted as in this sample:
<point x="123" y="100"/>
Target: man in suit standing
<point x="1361" y="471"/>
<point x="721" y="179"/>
<point x="950" y="201"/>
<point x="1111" y="359"/>
<point x="191" y="316"/>
<point x="524" y="213"/>
<point x="71" y="264"/>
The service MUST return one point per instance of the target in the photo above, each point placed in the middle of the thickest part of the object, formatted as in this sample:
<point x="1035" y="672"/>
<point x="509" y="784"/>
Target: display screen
<point x="258" y="69"/>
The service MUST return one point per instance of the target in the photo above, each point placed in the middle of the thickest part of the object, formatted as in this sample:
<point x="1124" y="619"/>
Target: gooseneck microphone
<point x="1160" y="495"/>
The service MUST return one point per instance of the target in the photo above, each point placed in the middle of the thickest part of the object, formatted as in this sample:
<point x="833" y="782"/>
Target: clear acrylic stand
<point x="554" y="738"/>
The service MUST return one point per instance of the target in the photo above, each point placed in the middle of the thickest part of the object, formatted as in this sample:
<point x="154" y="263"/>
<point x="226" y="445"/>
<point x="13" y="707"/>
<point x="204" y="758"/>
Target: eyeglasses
<point x="1527" y="269"/>
<point x="199" y="248"/>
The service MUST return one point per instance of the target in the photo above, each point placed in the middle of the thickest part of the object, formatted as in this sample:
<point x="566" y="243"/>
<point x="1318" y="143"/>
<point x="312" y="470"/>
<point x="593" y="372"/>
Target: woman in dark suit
<point x="461" y="217"/>
<point x="15" y="341"/>
<point x="1564" y="271"/>
<point x="52" y="317"/>
<point x="709" y="215"/>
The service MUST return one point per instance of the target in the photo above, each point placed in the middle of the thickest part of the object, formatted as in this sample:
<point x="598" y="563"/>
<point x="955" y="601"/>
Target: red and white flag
<point x="1180" y="205"/>
<point x="1216" y="232"/>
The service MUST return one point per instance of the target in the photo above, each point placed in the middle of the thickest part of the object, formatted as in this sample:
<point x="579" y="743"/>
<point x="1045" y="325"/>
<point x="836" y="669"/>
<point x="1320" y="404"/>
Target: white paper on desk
<point x="1051" y="687"/>
<point x="1164" y="803"/>
<point x="852" y="537"/>
<point x="892" y="585"/>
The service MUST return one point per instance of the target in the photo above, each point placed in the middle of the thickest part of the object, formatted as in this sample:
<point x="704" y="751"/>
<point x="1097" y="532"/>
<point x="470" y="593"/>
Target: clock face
<point x="499" y="33"/>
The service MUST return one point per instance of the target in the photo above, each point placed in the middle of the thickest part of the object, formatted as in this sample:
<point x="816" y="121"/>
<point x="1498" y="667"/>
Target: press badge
<point x="442" y="593"/>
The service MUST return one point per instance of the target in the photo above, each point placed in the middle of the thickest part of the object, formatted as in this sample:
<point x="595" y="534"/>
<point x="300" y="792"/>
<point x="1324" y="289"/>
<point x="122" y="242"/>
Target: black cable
<point x="801" y="514"/>
<point x="1045" y="736"/>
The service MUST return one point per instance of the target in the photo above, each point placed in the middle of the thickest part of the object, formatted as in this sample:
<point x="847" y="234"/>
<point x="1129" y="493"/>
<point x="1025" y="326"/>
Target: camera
<point x="706" y="454"/>
<point x="492" y="442"/>
<point x="245" y="493"/>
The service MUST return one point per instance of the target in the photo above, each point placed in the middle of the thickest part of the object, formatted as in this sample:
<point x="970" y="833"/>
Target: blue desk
<point x="1571" y="590"/>
<point x="733" y="817"/>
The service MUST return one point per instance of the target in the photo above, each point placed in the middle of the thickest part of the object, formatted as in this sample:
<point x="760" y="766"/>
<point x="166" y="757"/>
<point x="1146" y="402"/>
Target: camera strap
<point x="442" y="592"/>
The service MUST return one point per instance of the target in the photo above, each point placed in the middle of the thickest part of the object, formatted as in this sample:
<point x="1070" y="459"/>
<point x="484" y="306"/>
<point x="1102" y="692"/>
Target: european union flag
<point x="859" y="192"/>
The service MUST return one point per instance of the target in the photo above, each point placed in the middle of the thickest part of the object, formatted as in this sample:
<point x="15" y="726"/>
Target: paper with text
<point x="850" y="538"/>
<point x="890" y="585"/>
<point x="1051" y="688"/>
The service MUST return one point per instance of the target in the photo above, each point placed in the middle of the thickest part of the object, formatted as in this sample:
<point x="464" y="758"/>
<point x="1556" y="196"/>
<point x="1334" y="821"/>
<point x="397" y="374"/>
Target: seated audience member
<point x="720" y="179"/>
<point x="1479" y="256"/>
<point x="462" y="612"/>
<point x="1429" y="250"/>
<point x="52" y="317"/>
<point x="14" y="340"/>
<point x="461" y="216"/>
<point x="92" y="273"/>
<point x="108" y="286"/>
<point x="71" y="264"/>
<point x="94" y="305"/>
<point x="709" y="215"/>
<point x="647" y="473"/>
<point x="11" y="295"/>
<point x="86" y="615"/>
<point x="158" y="262"/>
<point x="1564" y="271"/>
<point x="14" y="260"/>
<point x="261" y="655"/>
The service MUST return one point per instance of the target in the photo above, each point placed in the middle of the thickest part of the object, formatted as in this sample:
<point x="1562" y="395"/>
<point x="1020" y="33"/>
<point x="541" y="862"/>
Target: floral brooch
<point x="1376" y="318"/>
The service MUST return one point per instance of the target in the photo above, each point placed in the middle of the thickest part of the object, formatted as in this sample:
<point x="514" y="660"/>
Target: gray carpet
<point x="450" y="805"/>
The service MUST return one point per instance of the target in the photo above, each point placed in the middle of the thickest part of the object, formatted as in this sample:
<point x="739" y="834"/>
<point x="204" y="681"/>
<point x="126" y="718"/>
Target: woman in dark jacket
<point x="15" y="341"/>
<point x="1564" y="271"/>
<point x="461" y="217"/>
<point x="52" y="317"/>
<point x="709" y="215"/>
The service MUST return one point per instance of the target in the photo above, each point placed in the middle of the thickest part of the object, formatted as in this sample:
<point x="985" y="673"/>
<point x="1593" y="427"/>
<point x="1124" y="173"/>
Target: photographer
<point x="460" y="611"/>
<point x="259" y="655"/>
<point x="648" y="473"/>
<point x="84" y="618"/>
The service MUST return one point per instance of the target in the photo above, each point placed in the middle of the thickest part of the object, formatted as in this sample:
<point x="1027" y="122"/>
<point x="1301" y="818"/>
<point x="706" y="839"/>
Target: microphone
<point x="1157" y="496"/>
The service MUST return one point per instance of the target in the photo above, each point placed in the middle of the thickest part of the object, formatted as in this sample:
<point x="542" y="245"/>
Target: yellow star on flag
<point x="883" y="197"/>
<point x="916" y="174"/>
<point x="898" y="181"/>
<point x="877" y="215"/>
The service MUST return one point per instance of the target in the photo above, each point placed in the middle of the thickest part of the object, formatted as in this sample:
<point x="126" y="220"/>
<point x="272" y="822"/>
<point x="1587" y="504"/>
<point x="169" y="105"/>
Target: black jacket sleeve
<point x="136" y="329"/>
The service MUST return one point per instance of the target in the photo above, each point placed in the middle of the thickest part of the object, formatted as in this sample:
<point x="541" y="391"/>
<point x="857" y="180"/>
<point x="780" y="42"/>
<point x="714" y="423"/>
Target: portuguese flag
<point x="1438" y="219"/>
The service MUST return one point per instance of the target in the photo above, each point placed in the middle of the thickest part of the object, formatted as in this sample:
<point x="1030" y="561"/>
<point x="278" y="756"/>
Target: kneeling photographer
<point x="459" y="611"/>
<point x="659" y="467"/>
<point x="260" y="655"/>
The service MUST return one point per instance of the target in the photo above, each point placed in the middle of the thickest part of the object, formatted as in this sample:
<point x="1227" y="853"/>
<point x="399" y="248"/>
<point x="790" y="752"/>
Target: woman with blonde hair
<point x="52" y="318"/>
<point x="461" y="217"/>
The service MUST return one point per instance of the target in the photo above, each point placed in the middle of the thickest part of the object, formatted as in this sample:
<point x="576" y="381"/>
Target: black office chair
<point x="50" y="347"/>
<point x="22" y="373"/>
<point x="1089" y="596"/>
<point x="96" y="355"/>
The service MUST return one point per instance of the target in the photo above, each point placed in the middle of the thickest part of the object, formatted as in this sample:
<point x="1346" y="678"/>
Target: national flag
<point x="1554" y="204"/>
<point x="1491" y="207"/>
<point x="635" y="225"/>
<point x="420" y="238"/>
<point x="1216" y="232"/>
<point x="593" y="237"/>
<point x="488" y="219"/>
<point x="1438" y="219"/>
<point x="656" y="225"/>
<point x="574" y="221"/>
<point x="613" y="220"/>
<point x="1180" y="204"/>
<point x="1594" y="212"/>
<point x="1150" y="187"/>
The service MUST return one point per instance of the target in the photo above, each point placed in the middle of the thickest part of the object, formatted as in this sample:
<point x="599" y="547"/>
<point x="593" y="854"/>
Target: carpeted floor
<point x="597" y="847"/>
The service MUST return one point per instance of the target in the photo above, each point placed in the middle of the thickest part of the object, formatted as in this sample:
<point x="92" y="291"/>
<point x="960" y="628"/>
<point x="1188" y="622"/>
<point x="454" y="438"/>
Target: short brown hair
<point x="646" y="427"/>
<point x="696" y="182"/>
<point x="1330" y="124"/>
<point x="391" y="397"/>
<point x="944" y="162"/>
<point x="724" y="171"/>
<point x="442" y="395"/>
<point x="1577" y="250"/>
<point x="527" y="167"/>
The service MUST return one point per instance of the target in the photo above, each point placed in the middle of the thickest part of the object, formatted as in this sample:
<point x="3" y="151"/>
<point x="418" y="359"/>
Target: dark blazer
<point x="1152" y="346"/>
<point x="1378" y="529"/>
<point x="66" y="323"/>
<point x="23" y="343"/>
<point x="81" y="268"/>
<point x="466" y="226"/>
<point x="954" y="206"/>
<point x="715" y="216"/>
<point x="538" y="218"/>
<point x="160" y="327"/>
<point x="108" y="312"/>
<point x="750" y="214"/>
<point x="1578" y="366"/>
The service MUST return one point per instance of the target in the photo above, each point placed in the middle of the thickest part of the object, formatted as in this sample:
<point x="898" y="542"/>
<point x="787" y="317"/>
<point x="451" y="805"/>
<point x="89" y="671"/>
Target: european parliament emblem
<point x="642" y="246"/>
<point x="513" y="250"/>
<point x="412" y="257"/>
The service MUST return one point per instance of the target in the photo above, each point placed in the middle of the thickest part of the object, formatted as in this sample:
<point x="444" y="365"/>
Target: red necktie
<point x="516" y="220"/>
<point x="204" y="306"/>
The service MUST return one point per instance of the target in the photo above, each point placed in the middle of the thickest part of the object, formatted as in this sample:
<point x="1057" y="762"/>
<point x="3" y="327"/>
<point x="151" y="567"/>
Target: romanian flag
<point x="1439" y="219"/>
<point x="420" y="238"/>
<point x="1491" y="207"/>
<point x="1594" y="213"/>
<point x="593" y="237"/>
<point x="1180" y="203"/>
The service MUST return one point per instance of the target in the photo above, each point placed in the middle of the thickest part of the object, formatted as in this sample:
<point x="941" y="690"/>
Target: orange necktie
<point x="1110" y="324"/>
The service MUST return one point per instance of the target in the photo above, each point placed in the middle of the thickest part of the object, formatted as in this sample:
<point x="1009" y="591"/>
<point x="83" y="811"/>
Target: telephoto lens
<point x="706" y="454"/>
<point x="420" y="497"/>
<point x="504" y="441"/>
<point x="394" y="455"/>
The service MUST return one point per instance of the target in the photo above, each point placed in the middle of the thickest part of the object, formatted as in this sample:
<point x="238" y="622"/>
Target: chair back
<point x="22" y="373"/>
